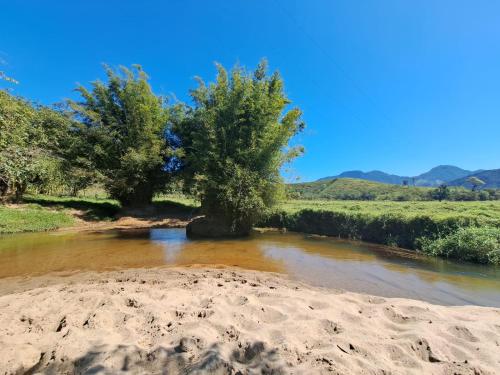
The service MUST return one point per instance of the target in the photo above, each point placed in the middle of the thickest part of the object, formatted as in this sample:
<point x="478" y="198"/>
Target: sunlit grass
<point x="32" y="218"/>
<point x="489" y="211"/>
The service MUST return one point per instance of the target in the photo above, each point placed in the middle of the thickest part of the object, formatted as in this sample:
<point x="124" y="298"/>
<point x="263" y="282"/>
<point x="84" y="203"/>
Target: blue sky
<point x="399" y="86"/>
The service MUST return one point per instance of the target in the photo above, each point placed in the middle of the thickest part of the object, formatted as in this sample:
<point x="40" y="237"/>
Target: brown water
<point x="354" y="266"/>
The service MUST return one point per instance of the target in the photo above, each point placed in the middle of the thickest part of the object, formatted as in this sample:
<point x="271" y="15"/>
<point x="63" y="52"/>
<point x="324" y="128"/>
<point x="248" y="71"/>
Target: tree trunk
<point x="20" y="189"/>
<point x="142" y="196"/>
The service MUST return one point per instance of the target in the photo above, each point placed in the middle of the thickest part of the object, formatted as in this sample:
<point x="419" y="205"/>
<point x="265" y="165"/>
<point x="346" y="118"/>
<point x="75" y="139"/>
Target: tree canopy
<point x="25" y="155"/>
<point x="235" y="138"/>
<point x="126" y="135"/>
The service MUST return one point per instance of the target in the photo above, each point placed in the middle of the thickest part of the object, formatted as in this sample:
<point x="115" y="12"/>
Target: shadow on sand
<point x="188" y="357"/>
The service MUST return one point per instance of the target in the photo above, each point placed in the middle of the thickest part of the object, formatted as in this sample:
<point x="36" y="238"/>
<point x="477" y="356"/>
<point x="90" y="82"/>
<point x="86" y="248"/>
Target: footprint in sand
<point x="330" y="327"/>
<point x="462" y="333"/>
<point x="396" y="317"/>
<point x="423" y="351"/>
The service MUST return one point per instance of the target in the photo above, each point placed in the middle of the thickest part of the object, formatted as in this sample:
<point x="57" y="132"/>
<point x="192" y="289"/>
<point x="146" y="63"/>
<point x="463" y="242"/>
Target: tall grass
<point x="404" y="224"/>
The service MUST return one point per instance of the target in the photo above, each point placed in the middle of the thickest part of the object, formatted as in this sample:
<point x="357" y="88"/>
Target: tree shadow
<point x="187" y="357"/>
<point x="91" y="210"/>
<point x="162" y="209"/>
<point x="95" y="210"/>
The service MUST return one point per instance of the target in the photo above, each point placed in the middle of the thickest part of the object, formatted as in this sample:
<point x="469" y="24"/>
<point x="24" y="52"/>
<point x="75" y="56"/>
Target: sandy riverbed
<point x="229" y="321"/>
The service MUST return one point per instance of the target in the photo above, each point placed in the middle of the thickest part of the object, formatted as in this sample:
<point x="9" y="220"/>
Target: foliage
<point x="235" y="140"/>
<point x="480" y="245"/>
<point x="32" y="218"/>
<point x="25" y="155"/>
<point x="441" y="193"/>
<point x="357" y="189"/>
<point x="403" y="224"/>
<point x="125" y="136"/>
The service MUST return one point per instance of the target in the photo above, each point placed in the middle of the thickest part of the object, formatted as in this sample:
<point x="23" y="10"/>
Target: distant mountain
<point x="440" y="175"/>
<point x="376" y="176"/>
<point x="490" y="177"/>
<point x="435" y="177"/>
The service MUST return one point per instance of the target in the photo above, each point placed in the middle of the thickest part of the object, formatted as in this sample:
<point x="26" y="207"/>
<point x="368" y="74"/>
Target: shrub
<point x="414" y="226"/>
<point x="476" y="244"/>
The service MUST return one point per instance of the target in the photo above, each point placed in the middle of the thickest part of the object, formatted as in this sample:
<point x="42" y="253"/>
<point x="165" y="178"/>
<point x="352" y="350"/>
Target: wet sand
<point x="230" y="321"/>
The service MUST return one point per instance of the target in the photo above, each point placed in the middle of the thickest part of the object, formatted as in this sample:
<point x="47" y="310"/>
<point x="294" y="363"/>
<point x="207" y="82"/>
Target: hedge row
<point x="406" y="231"/>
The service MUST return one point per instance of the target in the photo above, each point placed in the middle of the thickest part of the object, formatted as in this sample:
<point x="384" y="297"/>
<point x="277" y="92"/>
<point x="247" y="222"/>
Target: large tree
<point x="24" y="156"/>
<point x="127" y="139"/>
<point x="235" y="139"/>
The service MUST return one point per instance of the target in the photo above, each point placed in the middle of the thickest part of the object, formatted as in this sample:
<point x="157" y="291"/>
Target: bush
<point x="413" y="226"/>
<point x="476" y="244"/>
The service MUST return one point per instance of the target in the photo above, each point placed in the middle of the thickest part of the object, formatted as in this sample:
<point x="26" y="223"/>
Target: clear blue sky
<point x="396" y="85"/>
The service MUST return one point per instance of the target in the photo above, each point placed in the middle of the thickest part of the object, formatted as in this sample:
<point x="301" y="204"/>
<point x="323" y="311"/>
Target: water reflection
<point x="322" y="261"/>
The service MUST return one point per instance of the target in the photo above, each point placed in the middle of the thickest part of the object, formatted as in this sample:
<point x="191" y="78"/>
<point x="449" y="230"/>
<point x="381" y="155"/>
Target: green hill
<point x="356" y="189"/>
<point x="491" y="178"/>
<point x="434" y="177"/>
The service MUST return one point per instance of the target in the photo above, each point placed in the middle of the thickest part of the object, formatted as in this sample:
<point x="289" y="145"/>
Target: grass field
<point x="44" y="212"/>
<point x="32" y="218"/>
<point x="356" y="189"/>
<point x="485" y="212"/>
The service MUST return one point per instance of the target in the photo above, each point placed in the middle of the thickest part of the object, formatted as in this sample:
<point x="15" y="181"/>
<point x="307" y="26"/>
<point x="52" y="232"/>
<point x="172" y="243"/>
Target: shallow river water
<point x="355" y="266"/>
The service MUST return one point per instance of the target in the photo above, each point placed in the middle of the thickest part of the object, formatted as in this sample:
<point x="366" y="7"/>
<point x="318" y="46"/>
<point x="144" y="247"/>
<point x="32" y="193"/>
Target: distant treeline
<point x="356" y="189"/>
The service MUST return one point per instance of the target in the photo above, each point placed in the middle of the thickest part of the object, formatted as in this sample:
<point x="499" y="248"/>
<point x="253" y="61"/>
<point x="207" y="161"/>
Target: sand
<point x="230" y="321"/>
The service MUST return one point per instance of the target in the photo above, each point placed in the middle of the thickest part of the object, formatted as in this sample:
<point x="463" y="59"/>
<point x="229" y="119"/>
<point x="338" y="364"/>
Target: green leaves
<point x="24" y="153"/>
<point x="125" y="129"/>
<point x="235" y="139"/>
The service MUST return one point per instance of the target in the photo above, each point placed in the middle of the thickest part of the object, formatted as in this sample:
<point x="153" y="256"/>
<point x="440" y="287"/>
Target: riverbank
<point x="223" y="321"/>
<point x="466" y="231"/>
<point x="46" y="213"/>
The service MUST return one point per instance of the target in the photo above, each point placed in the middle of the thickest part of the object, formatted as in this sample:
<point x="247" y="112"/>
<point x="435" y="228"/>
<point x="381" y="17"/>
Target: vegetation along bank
<point x="461" y="230"/>
<point x="225" y="149"/>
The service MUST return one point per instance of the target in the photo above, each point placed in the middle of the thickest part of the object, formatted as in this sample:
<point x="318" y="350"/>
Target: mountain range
<point x="442" y="174"/>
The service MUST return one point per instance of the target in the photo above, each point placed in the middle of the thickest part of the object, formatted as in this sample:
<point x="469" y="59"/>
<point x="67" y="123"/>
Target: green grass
<point x="409" y="225"/>
<point x="179" y="200"/>
<point x="356" y="189"/>
<point x="484" y="212"/>
<point x="32" y="218"/>
<point x="92" y="209"/>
